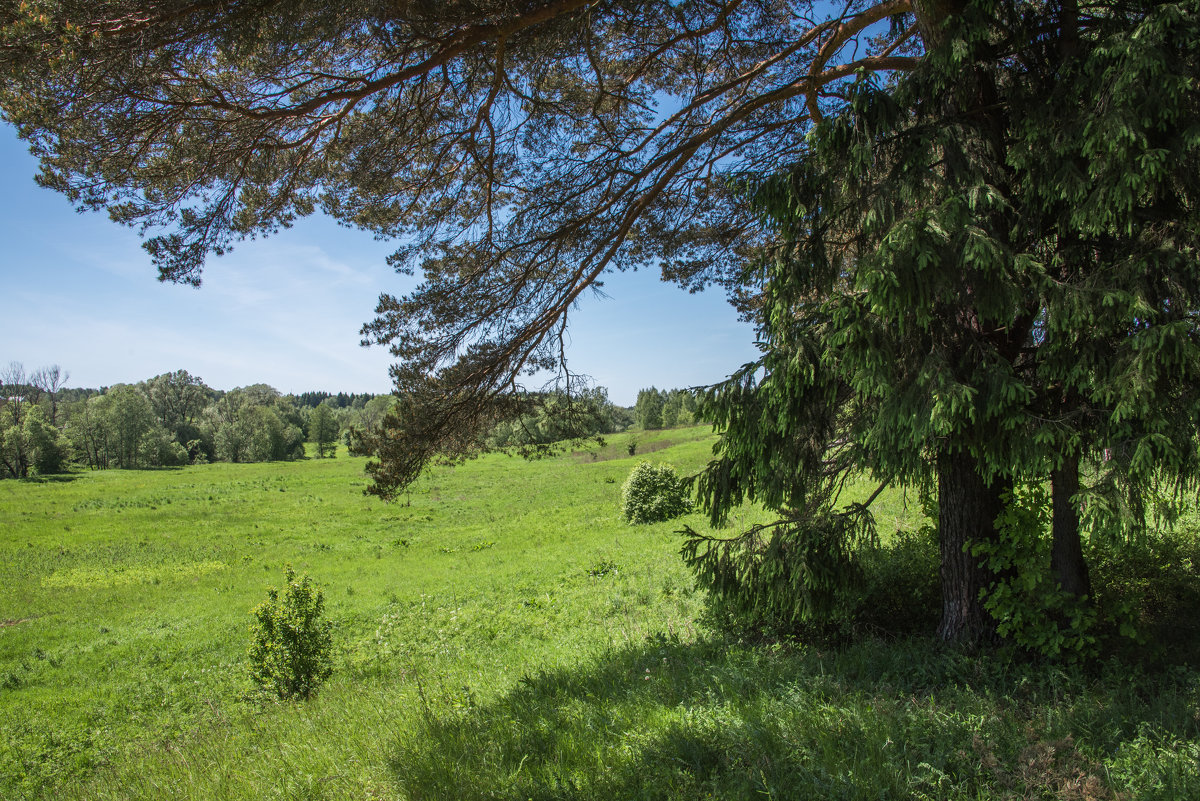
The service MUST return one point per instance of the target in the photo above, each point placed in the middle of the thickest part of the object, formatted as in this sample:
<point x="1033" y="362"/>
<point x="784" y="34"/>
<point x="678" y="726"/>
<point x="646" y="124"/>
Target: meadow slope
<point x="500" y="633"/>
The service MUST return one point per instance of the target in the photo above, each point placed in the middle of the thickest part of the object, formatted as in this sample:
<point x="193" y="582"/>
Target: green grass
<point x="500" y="633"/>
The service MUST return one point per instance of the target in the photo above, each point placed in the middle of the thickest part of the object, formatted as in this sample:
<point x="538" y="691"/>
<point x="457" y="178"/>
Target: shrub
<point x="653" y="493"/>
<point x="1030" y="609"/>
<point x="48" y="448"/>
<point x="290" y="654"/>
<point x="1148" y="589"/>
<point x="901" y="591"/>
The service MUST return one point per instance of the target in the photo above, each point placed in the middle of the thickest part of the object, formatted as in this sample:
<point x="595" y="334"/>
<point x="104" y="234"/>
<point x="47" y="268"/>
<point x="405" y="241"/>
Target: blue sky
<point x="78" y="291"/>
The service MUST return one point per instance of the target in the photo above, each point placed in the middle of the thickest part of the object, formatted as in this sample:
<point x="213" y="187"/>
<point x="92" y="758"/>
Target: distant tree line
<point x="340" y="400"/>
<point x="554" y="417"/>
<point x="169" y="420"/>
<point x="176" y="419"/>
<point x="661" y="408"/>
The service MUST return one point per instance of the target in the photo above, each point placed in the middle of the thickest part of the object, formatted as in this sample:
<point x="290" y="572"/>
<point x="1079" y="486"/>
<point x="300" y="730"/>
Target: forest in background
<point x="175" y="419"/>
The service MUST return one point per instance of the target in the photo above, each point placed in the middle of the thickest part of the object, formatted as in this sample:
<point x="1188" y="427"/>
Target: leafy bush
<point x="653" y="493"/>
<point x="290" y="654"/>
<point x="901" y="592"/>
<point x="49" y="449"/>
<point x="1030" y="609"/>
<point x="158" y="449"/>
<point x="1148" y="589"/>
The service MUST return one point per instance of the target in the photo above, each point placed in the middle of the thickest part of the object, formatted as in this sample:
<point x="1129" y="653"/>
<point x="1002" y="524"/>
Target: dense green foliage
<point x="49" y="451"/>
<point x="323" y="430"/>
<point x="653" y="493"/>
<point x="659" y="408"/>
<point x="30" y="443"/>
<point x="504" y="633"/>
<point x="292" y="641"/>
<point x="648" y="409"/>
<point x="986" y="279"/>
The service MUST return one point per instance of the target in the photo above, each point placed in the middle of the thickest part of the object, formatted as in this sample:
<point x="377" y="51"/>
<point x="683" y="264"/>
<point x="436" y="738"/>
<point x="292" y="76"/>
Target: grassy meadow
<point x="500" y="633"/>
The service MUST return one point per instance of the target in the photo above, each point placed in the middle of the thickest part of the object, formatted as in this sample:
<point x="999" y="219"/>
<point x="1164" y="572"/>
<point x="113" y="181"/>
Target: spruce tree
<point x="971" y="295"/>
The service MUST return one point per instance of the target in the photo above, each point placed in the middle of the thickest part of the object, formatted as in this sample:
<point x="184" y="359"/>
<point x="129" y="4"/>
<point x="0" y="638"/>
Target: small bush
<point x="1148" y="589"/>
<point x="50" y="450"/>
<point x="290" y="654"/>
<point x="901" y="591"/>
<point x="653" y="493"/>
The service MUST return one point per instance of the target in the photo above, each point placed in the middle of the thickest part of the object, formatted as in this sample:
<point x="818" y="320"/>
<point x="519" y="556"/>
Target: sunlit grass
<point x="499" y="633"/>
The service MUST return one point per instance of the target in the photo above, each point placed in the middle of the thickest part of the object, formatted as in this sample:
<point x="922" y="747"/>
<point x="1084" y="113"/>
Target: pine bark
<point x="968" y="508"/>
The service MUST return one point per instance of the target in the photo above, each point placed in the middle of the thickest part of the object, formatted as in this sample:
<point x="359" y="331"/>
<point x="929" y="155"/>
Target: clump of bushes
<point x="653" y="493"/>
<point x="1148" y="589"/>
<point x="799" y="582"/>
<point x="291" y="652"/>
<point x="901" y="589"/>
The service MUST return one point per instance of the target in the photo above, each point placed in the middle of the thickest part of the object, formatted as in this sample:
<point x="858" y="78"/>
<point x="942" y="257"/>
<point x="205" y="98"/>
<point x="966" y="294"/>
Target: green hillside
<point x="500" y="633"/>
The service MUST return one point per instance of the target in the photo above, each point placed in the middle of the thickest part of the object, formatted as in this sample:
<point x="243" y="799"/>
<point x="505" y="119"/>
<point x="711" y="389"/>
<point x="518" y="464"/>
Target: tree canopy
<point x="981" y="279"/>
<point x="516" y="151"/>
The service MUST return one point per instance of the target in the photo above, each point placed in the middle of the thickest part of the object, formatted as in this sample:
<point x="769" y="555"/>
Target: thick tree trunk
<point x="968" y="508"/>
<point x="931" y="16"/>
<point x="1066" y="556"/>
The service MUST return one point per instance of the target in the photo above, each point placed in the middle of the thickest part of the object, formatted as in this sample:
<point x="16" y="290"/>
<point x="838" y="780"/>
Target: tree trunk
<point x="968" y="508"/>
<point x="931" y="16"/>
<point x="1066" y="556"/>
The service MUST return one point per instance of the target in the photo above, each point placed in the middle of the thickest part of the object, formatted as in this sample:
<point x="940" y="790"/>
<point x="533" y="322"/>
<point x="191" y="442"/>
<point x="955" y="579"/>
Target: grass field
<point x="500" y="633"/>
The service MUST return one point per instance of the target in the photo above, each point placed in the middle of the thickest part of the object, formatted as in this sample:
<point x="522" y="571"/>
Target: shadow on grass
<point x="57" y="478"/>
<point x="874" y="720"/>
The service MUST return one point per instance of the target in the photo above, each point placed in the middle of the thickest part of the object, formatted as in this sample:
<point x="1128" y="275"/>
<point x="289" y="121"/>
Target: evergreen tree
<point x="970" y="297"/>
